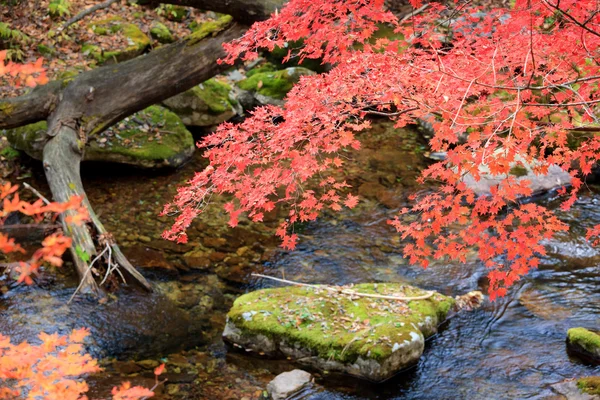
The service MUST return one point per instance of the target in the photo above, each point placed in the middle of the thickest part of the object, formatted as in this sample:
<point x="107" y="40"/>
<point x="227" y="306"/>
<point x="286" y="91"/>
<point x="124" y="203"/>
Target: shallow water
<point x="511" y="348"/>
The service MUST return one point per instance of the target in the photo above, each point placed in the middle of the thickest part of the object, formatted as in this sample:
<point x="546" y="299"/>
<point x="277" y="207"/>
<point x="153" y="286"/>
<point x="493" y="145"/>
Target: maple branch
<point x="573" y="19"/>
<point x="390" y="114"/>
<point x="514" y="88"/>
<point x="86" y="12"/>
<point x="347" y="291"/>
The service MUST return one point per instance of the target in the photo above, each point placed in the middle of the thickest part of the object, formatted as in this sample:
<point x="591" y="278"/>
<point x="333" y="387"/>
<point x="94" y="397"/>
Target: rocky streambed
<point x="511" y="348"/>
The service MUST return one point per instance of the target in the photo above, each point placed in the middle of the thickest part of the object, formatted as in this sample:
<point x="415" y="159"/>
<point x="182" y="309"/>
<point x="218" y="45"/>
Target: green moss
<point x="274" y="84"/>
<point x="9" y="153"/>
<point x="589" y="385"/>
<point x="209" y="28"/>
<point x="587" y="340"/>
<point x="6" y="108"/>
<point x="161" y="33"/>
<point x="215" y="95"/>
<point x="336" y="326"/>
<point x="130" y="144"/>
<point x="46" y="51"/>
<point x="518" y="171"/>
<point x="24" y="138"/>
<point x="137" y="40"/>
<point x="266" y="67"/>
<point x="135" y="34"/>
<point x="133" y="142"/>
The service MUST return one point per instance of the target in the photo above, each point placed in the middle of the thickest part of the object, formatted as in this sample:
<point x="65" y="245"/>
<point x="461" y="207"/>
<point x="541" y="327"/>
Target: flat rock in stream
<point x="288" y="384"/>
<point x="366" y="337"/>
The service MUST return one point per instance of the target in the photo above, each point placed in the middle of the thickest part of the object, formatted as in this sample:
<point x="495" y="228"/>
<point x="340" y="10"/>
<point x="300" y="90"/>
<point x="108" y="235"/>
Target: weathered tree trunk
<point x="62" y="156"/>
<point x="61" y="160"/>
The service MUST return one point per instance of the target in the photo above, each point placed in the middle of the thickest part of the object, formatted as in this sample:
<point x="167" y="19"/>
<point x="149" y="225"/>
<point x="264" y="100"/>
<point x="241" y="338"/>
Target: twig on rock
<point x="348" y="291"/>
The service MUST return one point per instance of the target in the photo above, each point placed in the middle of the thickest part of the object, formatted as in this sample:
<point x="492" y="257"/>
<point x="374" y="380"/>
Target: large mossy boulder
<point x="367" y="337"/>
<point x="134" y="42"/>
<point x="584" y="343"/>
<point x="206" y="104"/>
<point x="151" y="138"/>
<point x="270" y="87"/>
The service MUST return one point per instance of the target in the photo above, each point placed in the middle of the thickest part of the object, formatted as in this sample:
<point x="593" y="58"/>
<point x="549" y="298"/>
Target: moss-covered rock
<point x="152" y="138"/>
<point x="589" y="385"/>
<point x="270" y="87"/>
<point x="207" y="104"/>
<point x="585" y="343"/>
<point x="135" y="41"/>
<point x="161" y="33"/>
<point x="367" y="337"/>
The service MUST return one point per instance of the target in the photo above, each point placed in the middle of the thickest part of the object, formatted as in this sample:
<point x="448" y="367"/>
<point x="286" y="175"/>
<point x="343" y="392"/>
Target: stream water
<point x="513" y="348"/>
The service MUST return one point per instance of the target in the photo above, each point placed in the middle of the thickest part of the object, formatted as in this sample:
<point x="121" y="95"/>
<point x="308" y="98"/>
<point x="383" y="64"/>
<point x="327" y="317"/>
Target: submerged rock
<point x="206" y="104"/>
<point x="367" y="337"/>
<point x="269" y="87"/>
<point x="585" y="343"/>
<point x="288" y="384"/>
<point x="555" y="178"/>
<point x="151" y="138"/>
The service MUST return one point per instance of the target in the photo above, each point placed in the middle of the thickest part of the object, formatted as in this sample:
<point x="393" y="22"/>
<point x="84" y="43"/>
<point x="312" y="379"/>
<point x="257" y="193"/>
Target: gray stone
<point x="570" y="391"/>
<point x="288" y="384"/>
<point x="555" y="178"/>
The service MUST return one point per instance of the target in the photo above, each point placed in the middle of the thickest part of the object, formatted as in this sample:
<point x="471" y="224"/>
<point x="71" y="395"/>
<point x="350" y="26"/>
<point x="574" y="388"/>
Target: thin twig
<point x="413" y="13"/>
<point x="38" y="194"/>
<point x="85" y="275"/>
<point x="87" y="12"/>
<point x="347" y="291"/>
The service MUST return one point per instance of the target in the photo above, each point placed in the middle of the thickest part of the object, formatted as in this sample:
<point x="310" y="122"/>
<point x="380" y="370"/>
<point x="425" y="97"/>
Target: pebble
<point x="288" y="383"/>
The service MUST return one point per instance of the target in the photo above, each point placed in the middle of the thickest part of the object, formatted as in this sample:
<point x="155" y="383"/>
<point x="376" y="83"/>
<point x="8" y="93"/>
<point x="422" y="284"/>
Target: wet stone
<point x="288" y="384"/>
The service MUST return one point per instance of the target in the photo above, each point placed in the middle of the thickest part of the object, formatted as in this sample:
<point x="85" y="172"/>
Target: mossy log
<point x="94" y="100"/>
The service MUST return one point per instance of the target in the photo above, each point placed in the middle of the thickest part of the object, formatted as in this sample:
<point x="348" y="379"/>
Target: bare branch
<point x="86" y="12"/>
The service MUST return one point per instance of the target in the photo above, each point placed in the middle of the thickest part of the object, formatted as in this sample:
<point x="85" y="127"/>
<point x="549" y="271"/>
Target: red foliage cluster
<point x="53" y="246"/>
<point x="22" y="74"/>
<point x="502" y="88"/>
